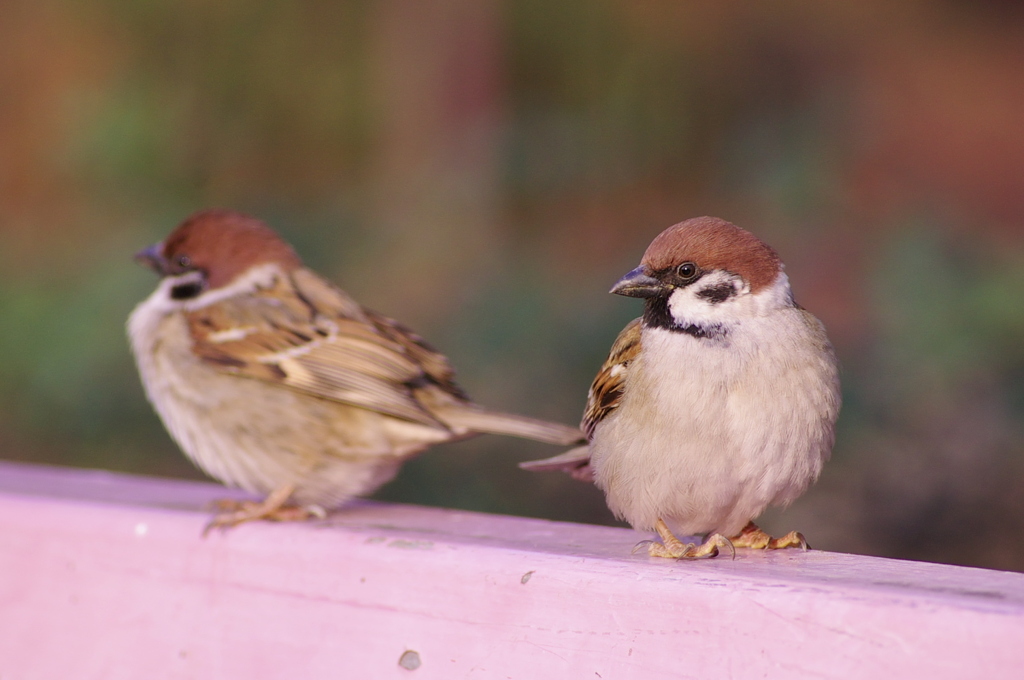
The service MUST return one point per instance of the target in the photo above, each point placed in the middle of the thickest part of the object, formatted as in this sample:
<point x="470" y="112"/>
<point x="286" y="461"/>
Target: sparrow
<point x="719" y="401"/>
<point x="271" y="379"/>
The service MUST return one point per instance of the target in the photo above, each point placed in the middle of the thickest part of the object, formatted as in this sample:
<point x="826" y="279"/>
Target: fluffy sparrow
<point x="271" y="379"/>
<point x="719" y="401"/>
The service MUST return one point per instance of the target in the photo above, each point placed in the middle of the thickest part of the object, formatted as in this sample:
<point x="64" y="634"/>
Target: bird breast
<point x="711" y="431"/>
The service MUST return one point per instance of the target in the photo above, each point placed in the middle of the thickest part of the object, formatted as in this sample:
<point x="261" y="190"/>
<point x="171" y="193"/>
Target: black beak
<point x="638" y="284"/>
<point x="153" y="258"/>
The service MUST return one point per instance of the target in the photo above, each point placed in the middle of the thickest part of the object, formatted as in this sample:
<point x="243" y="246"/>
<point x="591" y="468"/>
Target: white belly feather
<point x="719" y="429"/>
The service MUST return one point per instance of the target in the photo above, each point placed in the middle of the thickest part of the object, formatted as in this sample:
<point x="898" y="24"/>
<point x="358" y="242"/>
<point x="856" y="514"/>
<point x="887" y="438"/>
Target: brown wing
<point x="306" y="334"/>
<point x="435" y="366"/>
<point x="606" y="390"/>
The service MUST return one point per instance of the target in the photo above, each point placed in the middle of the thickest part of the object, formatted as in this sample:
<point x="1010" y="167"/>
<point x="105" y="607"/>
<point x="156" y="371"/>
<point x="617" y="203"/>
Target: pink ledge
<point x="106" y="576"/>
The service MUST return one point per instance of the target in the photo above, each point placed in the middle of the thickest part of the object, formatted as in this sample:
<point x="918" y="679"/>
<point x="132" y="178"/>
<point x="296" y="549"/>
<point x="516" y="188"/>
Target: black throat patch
<point x="657" y="315"/>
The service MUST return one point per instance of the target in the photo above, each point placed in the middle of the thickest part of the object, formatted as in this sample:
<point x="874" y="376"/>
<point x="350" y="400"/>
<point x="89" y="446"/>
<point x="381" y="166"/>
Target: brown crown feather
<point x="713" y="243"/>
<point x="224" y="244"/>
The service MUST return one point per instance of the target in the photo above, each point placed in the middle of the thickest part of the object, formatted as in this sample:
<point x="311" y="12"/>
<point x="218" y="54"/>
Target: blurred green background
<point x="485" y="170"/>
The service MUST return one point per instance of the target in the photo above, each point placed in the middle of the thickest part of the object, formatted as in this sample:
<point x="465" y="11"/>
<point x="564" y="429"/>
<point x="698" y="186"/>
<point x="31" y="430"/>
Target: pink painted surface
<point x="106" y="576"/>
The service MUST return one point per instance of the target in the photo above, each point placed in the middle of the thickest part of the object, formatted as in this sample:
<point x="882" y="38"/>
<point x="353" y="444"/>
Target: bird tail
<point x="566" y="462"/>
<point x="490" y="422"/>
<point x="575" y="462"/>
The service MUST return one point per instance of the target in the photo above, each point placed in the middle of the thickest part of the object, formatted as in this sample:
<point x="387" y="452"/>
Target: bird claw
<point x="641" y="544"/>
<point x="250" y="512"/>
<point x="672" y="547"/>
<point x="316" y="511"/>
<point x="678" y="550"/>
<point x="722" y="541"/>
<point x="754" y="537"/>
<point x="794" y="539"/>
<point x="274" y="508"/>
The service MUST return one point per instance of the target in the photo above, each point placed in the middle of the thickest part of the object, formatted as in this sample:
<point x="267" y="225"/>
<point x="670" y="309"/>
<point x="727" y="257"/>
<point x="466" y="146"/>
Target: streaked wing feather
<point x="607" y="389"/>
<point x="435" y="365"/>
<point x="309" y="336"/>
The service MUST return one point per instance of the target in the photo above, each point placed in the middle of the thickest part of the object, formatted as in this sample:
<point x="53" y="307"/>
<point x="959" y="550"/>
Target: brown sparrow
<point x="719" y="401"/>
<point x="271" y="379"/>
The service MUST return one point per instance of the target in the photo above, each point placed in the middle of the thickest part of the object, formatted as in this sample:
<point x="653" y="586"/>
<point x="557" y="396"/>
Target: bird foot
<point x="672" y="547"/>
<point x="753" y="536"/>
<point x="274" y="508"/>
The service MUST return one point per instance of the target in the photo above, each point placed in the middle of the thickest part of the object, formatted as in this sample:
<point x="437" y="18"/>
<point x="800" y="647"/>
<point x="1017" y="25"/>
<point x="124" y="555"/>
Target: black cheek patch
<point x="717" y="294"/>
<point x="186" y="291"/>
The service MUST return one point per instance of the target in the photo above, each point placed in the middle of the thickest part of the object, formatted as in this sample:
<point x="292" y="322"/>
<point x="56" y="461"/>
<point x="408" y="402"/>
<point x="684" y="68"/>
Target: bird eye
<point x="686" y="270"/>
<point x="184" y="261"/>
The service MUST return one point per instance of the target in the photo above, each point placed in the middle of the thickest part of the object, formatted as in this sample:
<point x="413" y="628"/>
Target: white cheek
<point x="162" y="301"/>
<point x="687" y="307"/>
